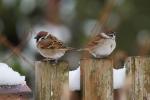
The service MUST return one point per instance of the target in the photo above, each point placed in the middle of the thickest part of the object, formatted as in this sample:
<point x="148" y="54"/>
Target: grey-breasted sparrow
<point x="50" y="47"/>
<point x="102" y="45"/>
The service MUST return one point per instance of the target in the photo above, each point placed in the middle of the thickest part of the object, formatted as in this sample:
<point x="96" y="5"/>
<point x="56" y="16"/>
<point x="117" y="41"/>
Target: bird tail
<point x="84" y="49"/>
<point x="72" y="49"/>
<point x="78" y="50"/>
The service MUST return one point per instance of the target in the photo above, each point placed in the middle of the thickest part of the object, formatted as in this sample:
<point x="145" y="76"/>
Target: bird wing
<point x="51" y="42"/>
<point x="98" y="39"/>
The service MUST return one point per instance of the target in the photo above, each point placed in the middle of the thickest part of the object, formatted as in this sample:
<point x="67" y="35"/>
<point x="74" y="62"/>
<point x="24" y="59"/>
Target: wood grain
<point x="138" y="68"/>
<point x="50" y="79"/>
<point x="15" y="92"/>
<point x="96" y="79"/>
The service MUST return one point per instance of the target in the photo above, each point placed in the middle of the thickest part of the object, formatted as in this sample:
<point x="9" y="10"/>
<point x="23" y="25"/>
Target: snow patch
<point x="74" y="79"/>
<point x="119" y="76"/>
<point x="10" y="77"/>
<point x="118" y="79"/>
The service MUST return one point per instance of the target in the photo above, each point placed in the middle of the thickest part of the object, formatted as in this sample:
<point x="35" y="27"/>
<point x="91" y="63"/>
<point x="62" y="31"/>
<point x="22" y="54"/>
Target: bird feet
<point x="52" y="61"/>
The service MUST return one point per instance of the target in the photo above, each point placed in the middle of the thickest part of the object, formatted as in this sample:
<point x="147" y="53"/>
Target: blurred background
<point x="73" y="22"/>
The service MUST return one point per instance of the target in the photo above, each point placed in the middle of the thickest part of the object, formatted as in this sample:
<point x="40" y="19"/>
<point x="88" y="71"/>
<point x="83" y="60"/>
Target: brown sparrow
<point x="50" y="47"/>
<point x="102" y="45"/>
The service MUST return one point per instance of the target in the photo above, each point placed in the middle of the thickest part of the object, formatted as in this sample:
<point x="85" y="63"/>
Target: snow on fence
<point x="13" y="85"/>
<point x="96" y="79"/>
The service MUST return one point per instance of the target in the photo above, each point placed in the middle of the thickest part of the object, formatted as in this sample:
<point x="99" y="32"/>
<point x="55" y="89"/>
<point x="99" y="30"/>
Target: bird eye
<point x="111" y="35"/>
<point x="42" y="38"/>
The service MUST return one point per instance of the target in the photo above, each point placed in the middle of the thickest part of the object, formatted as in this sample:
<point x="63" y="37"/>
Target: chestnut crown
<point x="40" y="35"/>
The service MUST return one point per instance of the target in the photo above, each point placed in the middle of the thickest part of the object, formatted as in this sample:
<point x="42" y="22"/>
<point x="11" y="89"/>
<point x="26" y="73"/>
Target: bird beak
<point x="115" y="33"/>
<point x="35" y="37"/>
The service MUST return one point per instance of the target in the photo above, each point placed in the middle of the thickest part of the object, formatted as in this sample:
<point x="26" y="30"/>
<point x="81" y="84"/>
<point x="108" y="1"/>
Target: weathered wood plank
<point x="15" y="92"/>
<point x="117" y="94"/>
<point x="96" y="79"/>
<point x="138" y="68"/>
<point x="50" y="79"/>
<point x="13" y="97"/>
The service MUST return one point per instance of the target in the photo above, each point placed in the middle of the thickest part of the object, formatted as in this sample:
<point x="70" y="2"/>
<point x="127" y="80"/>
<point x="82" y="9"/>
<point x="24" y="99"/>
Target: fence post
<point x="96" y="79"/>
<point x="50" y="80"/>
<point x="15" y="92"/>
<point x="138" y="68"/>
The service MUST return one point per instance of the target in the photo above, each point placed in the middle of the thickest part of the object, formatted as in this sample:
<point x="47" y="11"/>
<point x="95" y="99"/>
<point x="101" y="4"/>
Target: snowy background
<point x="10" y="77"/>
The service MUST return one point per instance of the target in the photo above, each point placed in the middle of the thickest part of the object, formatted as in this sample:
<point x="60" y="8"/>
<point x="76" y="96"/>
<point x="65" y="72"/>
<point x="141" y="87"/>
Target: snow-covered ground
<point x="10" y="77"/>
<point x="118" y="79"/>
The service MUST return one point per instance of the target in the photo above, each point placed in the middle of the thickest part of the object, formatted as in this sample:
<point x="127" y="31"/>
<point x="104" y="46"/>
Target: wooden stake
<point x="50" y="80"/>
<point x="138" y="68"/>
<point x="96" y="79"/>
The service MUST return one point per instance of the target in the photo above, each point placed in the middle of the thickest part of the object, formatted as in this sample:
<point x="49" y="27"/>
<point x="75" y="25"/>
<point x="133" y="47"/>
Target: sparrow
<point x="50" y="47"/>
<point x="102" y="45"/>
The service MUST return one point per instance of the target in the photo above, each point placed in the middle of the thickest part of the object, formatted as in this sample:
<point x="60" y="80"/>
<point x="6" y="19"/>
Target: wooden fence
<point x="50" y="80"/>
<point x="96" y="79"/>
<point x="15" y="92"/>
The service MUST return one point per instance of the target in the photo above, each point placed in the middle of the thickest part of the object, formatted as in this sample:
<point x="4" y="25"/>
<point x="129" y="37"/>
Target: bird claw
<point x="46" y="60"/>
<point x="52" y="61"/>
<point x="101" y="57"/>
<point x="84" y="58"/>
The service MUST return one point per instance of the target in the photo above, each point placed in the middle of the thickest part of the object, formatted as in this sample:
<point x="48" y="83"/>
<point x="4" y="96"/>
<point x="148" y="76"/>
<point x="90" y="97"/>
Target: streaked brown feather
<point x="95" y="41"/>
<point x="51" y="42"/>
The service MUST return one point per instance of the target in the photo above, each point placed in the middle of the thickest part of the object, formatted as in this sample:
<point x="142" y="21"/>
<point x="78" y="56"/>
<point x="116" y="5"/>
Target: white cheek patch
<point x="40" y="39"/>
<point x="114" y="37"/>
<point x="43" y="37"/>
<point x="104" y="35"/>
<point x="46" y="36"/>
